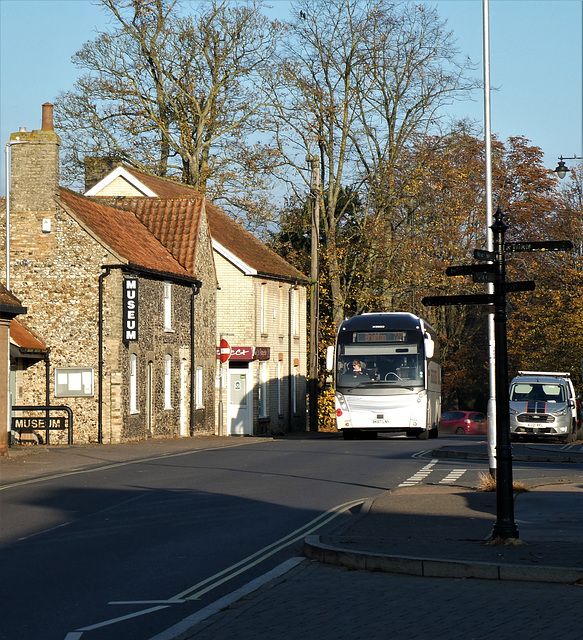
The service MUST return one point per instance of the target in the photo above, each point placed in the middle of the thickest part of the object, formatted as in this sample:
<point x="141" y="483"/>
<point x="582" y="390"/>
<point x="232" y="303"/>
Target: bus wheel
<point x="348" y="434"/>
<point x="423" y="435"/>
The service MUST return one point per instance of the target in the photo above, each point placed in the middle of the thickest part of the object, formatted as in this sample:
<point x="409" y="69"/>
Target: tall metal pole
<point x="505" y="526"/>
<point x="314" y="291"/>
<point x="490" y="241"/>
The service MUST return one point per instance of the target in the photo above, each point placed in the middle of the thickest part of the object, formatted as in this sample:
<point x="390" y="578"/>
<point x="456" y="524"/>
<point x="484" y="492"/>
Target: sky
<point x="536" y="54"/>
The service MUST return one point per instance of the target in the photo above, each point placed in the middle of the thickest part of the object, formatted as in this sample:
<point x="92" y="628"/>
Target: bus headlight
<point x="421" y="396"/>
<point x="341" y="401"/>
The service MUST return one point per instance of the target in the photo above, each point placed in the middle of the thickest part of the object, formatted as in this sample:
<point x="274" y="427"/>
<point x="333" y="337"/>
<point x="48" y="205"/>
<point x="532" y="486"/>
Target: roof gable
<point x="120" y="231"/>
<point x="119" y="182"/>
<point x="230" y="239"/>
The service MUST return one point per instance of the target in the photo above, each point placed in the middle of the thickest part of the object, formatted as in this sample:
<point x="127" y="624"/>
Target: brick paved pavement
<point x="323" y="602"/>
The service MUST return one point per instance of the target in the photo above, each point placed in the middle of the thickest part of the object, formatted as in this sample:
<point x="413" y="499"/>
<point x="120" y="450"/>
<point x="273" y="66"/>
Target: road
<point x="125" y="547"/>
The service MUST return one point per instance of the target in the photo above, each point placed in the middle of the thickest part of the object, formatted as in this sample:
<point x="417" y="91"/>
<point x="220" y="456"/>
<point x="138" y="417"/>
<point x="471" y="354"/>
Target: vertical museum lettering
<point x="130" y="309"/>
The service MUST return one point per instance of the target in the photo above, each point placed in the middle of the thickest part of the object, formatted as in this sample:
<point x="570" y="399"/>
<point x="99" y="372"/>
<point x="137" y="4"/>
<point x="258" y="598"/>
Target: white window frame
<point x="167" y="306"/>
<point x="168" y="382"/>
<point x="199" y="380"/>
<point x="134" y="383"/>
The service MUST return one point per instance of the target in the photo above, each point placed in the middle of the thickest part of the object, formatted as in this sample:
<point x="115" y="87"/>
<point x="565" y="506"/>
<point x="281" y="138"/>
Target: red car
<point x="470" y="422"/>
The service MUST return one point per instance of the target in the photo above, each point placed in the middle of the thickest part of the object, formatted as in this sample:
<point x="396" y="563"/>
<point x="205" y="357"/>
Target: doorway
<point x="240" y="399"/>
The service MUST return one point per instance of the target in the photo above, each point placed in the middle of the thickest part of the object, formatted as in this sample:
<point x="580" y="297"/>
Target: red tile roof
<point x="26" y="338"/>
<point x="121" y="232"/>
<point x="228" y="233"/>
<point x="175" y="222"/>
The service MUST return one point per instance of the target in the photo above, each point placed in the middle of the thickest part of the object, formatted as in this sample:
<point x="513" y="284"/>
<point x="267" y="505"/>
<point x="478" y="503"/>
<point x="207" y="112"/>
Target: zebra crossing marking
<point x="453" y="476"/>
<point x="418" y="477"/>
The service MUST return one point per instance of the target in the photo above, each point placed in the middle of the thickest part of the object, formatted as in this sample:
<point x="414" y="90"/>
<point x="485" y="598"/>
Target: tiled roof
<point x="122" y="232"/>
<point x="175" y="222"/>
<point x="25" y="338"/>
<point x="224" y="230"/>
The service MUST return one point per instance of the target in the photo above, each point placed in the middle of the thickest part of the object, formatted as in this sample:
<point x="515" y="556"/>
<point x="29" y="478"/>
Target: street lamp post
<point x="314" y="163"/>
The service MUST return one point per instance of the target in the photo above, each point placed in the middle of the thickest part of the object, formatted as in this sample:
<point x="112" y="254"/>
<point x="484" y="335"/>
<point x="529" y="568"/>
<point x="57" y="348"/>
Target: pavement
<point x="425" y="531"/>
<point x="437" y="530"/>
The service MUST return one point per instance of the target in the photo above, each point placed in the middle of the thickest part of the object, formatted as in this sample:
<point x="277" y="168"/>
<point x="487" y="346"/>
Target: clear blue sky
<point x="536" y="57"/>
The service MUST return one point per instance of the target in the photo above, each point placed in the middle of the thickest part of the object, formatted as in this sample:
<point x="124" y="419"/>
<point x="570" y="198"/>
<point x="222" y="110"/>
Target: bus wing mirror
<point x="329" y="358"/>
<point x="429" y="346"/>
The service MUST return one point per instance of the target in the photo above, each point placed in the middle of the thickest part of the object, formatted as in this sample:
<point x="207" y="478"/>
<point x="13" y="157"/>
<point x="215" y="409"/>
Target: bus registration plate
<point x="380" y="421"/>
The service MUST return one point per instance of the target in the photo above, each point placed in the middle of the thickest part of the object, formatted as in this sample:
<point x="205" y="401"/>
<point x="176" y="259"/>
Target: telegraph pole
<point x="314" y="163"/>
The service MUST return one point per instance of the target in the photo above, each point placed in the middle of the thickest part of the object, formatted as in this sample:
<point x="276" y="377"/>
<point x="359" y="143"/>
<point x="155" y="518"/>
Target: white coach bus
<point x="387" y="376"/>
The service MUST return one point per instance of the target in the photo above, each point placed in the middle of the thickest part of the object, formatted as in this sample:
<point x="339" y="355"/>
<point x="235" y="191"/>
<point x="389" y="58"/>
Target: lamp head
<point x="562" y="168"/>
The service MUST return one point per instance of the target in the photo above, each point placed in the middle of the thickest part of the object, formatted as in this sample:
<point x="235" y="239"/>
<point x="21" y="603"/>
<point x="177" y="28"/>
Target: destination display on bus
<point x="380" y="336"/>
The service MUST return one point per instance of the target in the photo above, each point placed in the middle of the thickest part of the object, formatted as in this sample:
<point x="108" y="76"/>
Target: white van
<point x="543" y="404"/>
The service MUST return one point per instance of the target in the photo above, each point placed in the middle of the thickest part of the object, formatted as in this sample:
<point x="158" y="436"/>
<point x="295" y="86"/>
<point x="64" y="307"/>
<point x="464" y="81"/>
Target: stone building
<point x="128" y="315"/>
<point x="261" y="307"/>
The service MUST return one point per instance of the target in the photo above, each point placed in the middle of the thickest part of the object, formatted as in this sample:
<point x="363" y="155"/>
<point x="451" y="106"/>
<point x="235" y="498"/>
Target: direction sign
<point x="547" y="245"/>
<point x="484" y="277"/>
<point x="470" y="269"/>
<point x="478" y="298"/>
<point x="521" y="285"/>
<point x="480" y="254"/>
<point x="225" y="351"/>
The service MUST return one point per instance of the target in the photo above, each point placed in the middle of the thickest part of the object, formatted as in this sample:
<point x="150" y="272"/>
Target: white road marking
<point x="198" y="590"/>
<point x="416" y="478"/>
<point x="113" y="465"/>
<point x="106" y="623"/>
<point x="181" y="627"/>
<point x="453" y="476"/>
<point x="421" y="454"/>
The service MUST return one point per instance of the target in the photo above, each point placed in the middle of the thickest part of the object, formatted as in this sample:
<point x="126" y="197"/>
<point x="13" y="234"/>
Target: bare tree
<point x="360" y="81"/>
<point x="174" y="94"/>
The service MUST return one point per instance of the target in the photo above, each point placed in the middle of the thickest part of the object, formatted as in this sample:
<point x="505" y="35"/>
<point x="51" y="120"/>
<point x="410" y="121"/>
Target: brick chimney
<point x="35" y="166"/>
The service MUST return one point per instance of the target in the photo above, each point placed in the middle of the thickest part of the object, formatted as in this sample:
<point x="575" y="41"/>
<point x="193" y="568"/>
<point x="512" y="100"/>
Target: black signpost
<point x="505" y="527"/>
